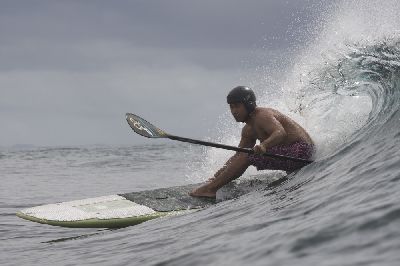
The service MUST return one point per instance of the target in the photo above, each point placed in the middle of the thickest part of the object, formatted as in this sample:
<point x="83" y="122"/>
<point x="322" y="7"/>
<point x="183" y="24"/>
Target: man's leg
<point x="235" y="168"/>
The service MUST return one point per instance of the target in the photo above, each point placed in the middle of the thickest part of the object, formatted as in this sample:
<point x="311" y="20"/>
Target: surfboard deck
<point x="117" y="211"/>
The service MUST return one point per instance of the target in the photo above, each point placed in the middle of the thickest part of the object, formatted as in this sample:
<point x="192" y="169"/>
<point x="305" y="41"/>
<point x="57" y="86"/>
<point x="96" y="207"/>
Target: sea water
<point x="344" y="209"/>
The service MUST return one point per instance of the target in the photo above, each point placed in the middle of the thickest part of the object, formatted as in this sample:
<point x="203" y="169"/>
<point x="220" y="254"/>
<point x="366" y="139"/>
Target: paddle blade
<point x="144" y="128"/>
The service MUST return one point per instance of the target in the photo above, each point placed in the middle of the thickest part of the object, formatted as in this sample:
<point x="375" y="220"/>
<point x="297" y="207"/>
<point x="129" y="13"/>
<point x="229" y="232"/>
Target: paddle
<point x="145" y="129"/>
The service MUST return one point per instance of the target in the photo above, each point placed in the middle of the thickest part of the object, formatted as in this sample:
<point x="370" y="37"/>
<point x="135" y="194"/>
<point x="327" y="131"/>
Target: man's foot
<point x="203" y="191"/>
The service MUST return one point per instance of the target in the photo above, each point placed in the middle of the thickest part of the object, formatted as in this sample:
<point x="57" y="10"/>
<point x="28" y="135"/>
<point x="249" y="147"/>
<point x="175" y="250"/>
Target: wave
<point x="344" y="85"/>
<point x="353" y="97"/>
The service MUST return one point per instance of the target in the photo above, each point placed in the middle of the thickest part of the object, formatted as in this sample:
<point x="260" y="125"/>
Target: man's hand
<point x="259" y="149"/>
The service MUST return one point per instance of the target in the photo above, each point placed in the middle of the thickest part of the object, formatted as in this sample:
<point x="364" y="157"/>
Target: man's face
<point x="238" y="111"/>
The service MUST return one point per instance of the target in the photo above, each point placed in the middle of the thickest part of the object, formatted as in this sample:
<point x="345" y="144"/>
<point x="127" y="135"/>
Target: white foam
<point x="331" y="117"/>
<point x="314" y="93"/>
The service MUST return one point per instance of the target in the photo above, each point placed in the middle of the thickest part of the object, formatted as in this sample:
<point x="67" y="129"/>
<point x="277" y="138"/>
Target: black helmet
<point x="242" y="94"/>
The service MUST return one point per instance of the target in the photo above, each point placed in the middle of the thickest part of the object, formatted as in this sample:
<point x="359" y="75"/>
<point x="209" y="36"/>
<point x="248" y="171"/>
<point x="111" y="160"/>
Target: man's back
<point x="294" y="132"/>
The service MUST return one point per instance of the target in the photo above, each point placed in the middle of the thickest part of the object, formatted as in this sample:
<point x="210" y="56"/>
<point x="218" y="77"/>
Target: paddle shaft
<point x="233" y="148"/>
<point x="146" y="129"/>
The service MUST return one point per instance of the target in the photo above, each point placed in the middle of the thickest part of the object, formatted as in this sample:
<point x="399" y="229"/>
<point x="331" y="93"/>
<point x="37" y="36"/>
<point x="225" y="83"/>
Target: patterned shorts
<point x="298" y="149"/>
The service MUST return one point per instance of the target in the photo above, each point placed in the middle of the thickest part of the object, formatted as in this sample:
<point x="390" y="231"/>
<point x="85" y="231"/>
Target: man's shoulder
<point x="247" y="131"/>
<point x="247" y="127"/>
<point x="266" y="109"/>
<point x="264" y="112"/>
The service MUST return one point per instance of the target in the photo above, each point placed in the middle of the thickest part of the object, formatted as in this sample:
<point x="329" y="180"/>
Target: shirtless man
<point x="277" y="133"/>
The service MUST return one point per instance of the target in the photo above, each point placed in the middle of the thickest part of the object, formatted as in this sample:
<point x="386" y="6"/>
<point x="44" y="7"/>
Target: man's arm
<point x="274" y="130"/>
<point x="247" y="140"/>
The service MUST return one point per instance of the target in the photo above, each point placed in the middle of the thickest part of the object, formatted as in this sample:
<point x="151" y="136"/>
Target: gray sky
<point x="70" y="70"/>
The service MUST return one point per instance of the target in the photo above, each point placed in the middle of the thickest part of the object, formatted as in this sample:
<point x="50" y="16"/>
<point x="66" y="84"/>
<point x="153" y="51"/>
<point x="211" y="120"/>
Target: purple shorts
<point x="298" y="149"/>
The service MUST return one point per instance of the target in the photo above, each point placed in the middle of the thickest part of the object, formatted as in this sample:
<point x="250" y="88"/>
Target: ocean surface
<point x="343" y="209"/>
